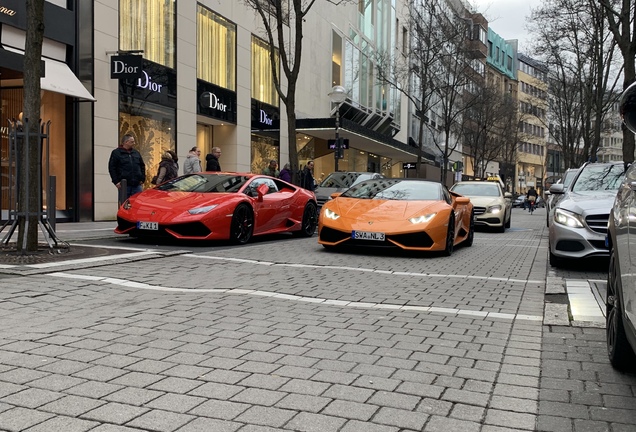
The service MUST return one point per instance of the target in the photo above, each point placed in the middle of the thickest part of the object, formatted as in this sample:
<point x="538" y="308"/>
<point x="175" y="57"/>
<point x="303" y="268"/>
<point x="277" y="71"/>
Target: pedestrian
<point x="167" y="169"/>
<point x="192" y="164"/>
<point x="532" y="198"/>
<point x="212" y="160"/>
<point x="175" y="159"/>
<point x="285" y="173"/>
<point x="126" y="163"/>
<point x="271" y="169"/>
<point x="307" y="177"/>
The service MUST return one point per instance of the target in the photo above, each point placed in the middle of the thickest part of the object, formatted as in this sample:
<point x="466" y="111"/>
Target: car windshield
<point x="206" y="183"/>
<point x="395" y="189"/>
<point x="599" y="178"/>
<point x="477" y="189"/>
<point x="344" y="179"/>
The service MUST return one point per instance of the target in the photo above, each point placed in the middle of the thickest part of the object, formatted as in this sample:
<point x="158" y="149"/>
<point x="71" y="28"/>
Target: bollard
<point x="123" y="192"/>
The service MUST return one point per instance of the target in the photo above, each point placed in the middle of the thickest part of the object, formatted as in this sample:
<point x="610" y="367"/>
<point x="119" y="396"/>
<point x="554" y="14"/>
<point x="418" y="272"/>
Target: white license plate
<point x="154" y="226"/>
<point x="366" y="235"/>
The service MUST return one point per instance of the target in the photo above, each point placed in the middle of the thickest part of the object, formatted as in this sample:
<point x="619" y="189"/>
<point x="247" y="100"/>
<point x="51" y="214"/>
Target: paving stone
<point x="223" y="410"/>
<point x="176" y="385"/>
<point x="303" y="403"/>
<point x="443" y="424"/>
<point x="310" y="422"/>
<point x="18" y="418"/>
<point x="93" y="389"/>
<point x="394" y="400"/>
<point x="350" y="410"/>
<point x="554" y="424"/>
<point x="100" y="373"/>
<point x="401" y="418"/>
<point x="113" y="412"/>
<point x="133" y="396"/>
<point x="559" y="409"/>
<point x="468" y="412"/>
<point x="258" y="397"/>
<point x="158" y="420"/>
<point x="508" y="403"/>
<point x="266" y="416"/>
<point x="510" y="419"/>
<point x="202" y="424"/>
<point x="72" y="406"/>
<point x="31" y="397"/>
<point x="212" y="390"/>
<point x="22" y="375"/>
<point x="66" y="424"/>
<point x="55" y="382"/>
<point x="358" y="426"/>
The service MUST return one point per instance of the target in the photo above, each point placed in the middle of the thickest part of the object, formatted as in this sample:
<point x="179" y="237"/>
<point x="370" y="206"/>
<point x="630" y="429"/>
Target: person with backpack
<point x="167" y="169"/>
<point x="532" y="198"/>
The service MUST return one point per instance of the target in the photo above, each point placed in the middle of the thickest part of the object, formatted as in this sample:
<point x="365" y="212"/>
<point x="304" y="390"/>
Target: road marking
<point x="281" y="296"/>
<point x="360" y="269"/>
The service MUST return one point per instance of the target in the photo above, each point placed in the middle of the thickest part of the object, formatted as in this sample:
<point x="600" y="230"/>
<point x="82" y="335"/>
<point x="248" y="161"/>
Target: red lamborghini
<point x="219" y="206"/>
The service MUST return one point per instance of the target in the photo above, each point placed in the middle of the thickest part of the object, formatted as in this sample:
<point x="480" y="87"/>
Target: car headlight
<point x="201" y="210"/>
<point x="127" y="205"/>
<point x="494" y="209"/>
<point x="330" y="214"/>
<point x="567" y="218"/>
<point x="422" y="219"/>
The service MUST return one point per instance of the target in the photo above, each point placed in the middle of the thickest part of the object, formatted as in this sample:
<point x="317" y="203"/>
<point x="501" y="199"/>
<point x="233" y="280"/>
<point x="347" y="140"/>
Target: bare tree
<point x="32" y="100"/>
<point x="621" y="16"/>
<point x="490" y="124"/>
<point x="579" y="53"/>
<point x="283" y="22"/>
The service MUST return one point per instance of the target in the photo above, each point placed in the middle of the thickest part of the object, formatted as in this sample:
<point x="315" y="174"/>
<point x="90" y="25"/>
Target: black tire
<point x="310" y="220"/>
<point x="619" y="351"/>
<point x="509" y="221"/>
<point x="555" y="261"/>
<point x="450" y="237"/>
<point x="242" y="226"/>
<point x="471" y="231"/>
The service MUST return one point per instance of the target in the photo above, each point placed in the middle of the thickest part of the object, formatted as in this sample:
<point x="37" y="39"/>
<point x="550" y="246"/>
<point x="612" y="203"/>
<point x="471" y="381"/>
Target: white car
<point x="492" y="206"/>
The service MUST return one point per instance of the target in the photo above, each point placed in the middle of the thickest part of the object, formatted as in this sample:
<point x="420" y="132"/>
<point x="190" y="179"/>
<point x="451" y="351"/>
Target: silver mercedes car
<point x="492" y="206"/>
<point x="578" y="225"/>
<point x="339" y="182"/>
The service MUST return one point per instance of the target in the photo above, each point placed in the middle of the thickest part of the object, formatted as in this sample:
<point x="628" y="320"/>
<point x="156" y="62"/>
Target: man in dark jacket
<point x="212" y="160"/>
<point x="307" y="177"/>
<point x="126" y="163"/>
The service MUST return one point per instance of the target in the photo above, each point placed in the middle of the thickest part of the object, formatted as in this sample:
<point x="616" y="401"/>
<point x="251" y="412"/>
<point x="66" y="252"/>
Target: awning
<point x="59" y="78"/>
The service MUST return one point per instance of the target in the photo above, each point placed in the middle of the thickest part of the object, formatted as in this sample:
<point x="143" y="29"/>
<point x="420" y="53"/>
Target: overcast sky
<point x="508" y="18"/>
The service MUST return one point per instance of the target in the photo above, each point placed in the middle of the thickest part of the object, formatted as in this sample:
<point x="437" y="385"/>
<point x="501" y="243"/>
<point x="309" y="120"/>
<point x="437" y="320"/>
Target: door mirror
<point x="507" y="195"/>
<point x="262" y="191"/>
<point x="556" y="188"/>
<point x="628" y="107"/>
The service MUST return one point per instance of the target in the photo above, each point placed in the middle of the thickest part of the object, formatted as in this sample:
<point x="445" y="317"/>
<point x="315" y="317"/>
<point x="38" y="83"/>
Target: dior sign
<point x="213" y="102"/>
<point x="7" y="11"/>
<point x="126" y="67"/>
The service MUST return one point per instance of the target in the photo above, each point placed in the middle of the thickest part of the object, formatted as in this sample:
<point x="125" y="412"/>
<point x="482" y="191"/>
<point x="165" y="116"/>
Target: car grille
<point x="597" y="223"/>
<point x="321" y="201"/>
<point x="479" y="210"/>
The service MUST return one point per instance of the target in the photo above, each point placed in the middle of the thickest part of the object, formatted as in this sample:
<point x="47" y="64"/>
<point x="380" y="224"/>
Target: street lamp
<point x="337" y="95"/>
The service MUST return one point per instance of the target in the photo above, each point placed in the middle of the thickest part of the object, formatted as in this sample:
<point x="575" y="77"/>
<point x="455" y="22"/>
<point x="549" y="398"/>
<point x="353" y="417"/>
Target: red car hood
<point x="163" y="204"/>
<point x="381" y="210"/>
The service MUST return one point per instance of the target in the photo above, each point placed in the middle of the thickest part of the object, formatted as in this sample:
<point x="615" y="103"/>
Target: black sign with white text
<point x="126" y="67"/>
<point x="408" y="165"/>
<point x="264" y="116"/>
<point x="216" y="102"/>
<point x="156" y="84"/>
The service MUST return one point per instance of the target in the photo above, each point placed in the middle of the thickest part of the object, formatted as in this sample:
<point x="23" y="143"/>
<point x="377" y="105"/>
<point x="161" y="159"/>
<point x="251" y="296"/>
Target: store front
<point x="147" y="111"/>
<point x="265" y="145"/>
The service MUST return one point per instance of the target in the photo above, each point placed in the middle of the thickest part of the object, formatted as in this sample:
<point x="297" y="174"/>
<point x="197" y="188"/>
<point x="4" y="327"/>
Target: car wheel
<point x="471" y="231"/>
<point x="242" y="226"/>
<point x="620" y="353"/>
<point x="555" y="261"/>
<point x="509" y="221"/>
<point x="310" y="220"/>
<point x="450" y="237"/>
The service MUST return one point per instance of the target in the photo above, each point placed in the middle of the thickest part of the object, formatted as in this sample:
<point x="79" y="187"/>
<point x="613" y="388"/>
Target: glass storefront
<point x="264" y="149"/>
<point x="149" y="26"/>
<point x="216" y="49"/>
<point x="263" y="88"/>
<point x="153" y="127"/>
<point x="53" y="110"/>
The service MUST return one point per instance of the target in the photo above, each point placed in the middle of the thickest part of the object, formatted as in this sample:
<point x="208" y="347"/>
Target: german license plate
<point x="153" y="226"/>
<point x="367" y="235"/>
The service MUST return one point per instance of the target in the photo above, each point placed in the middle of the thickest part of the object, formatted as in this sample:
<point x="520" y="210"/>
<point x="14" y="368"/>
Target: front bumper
<point x="568" y="242"/>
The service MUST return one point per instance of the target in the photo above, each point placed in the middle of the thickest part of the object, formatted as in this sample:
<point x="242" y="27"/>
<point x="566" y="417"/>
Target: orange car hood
<point x="382" y="210"/>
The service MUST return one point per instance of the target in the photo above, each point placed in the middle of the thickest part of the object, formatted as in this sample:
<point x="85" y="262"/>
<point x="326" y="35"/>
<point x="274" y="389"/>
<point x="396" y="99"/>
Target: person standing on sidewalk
<point x="271" y="170"/>
<point x="192" y="163"/>
<point x="212" y="160"/>
<point x="307" y="177"/>
<point x="126" y="163"/>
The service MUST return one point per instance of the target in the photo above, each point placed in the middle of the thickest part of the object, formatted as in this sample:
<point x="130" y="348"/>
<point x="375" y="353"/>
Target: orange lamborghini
<point x="409" y="214"/>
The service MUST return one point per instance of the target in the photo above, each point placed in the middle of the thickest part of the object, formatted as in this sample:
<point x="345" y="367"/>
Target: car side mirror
<point x="507" y="195"/>
<point x="556" y="188"/>
<point x="627" y="107"/>
<point x="262" y="191"/>
<point x="335" y="195"/>
<point x="462" y="200"/>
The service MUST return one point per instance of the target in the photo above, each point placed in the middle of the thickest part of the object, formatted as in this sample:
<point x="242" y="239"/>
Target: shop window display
<point x="153" y="127"/>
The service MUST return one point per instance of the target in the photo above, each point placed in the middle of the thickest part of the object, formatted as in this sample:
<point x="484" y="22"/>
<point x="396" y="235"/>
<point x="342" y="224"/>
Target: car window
<point x="395" y="189"/>
<point x="255" y="183"/>
<point x="206" y="183"/>
<point x="600" y="177"/>
<point x="477" y="189"/>
<point x="344" y="180"/>
<point x="568" y="177"/>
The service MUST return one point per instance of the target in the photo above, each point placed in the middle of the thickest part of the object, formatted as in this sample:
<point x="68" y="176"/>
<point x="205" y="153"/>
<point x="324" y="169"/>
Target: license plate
<point x="153" y="226"/>
<point x="366" y="235"/>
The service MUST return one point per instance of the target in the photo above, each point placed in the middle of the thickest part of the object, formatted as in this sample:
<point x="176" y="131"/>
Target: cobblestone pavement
<point x="283" y="335"/>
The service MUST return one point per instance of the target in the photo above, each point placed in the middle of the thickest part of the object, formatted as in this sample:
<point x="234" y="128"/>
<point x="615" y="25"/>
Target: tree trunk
<point x="30" y="163"/>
